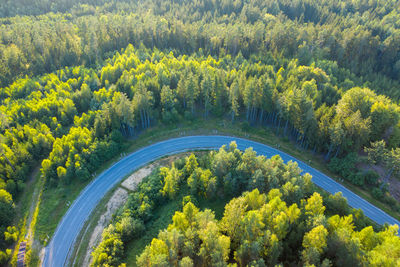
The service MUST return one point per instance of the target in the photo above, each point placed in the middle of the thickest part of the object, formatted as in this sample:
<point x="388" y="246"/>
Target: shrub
<point x="371" y="177"/>
<point x="377" y="193"/>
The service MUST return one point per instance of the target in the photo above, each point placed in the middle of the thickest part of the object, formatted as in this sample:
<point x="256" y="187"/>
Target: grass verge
<point x="25" y="210"/>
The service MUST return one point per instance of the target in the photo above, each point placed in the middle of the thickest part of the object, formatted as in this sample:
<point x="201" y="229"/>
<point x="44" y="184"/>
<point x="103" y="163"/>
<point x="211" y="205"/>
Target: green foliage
<point x="377" y="193"/>
<point x="71" y="104"/>
<point x="377" y="152"/>
<point x="89" y="35"/>
<point x="253" y="232"/>
<point x="314" y="243"/>
<point x="346" y="167"/>
<point x="266" y="226"/>
<point x="171" y="178"/>
<point x="111" y="245"/>
<point x="371" y="177"/>
<point x="337" y="204"/>
<point x="317" y="72"/>
<point x="11" y="235"/>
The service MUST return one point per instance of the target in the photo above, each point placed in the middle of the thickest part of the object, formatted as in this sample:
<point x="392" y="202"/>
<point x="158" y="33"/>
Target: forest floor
<point x="393" y="182"/>
<point x="57" y="200"/>
<point x="394" y="188"/>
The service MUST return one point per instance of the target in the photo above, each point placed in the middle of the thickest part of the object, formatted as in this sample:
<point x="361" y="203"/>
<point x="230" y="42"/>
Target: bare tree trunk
<point x="141" y="118"/>
<point x="329" y="152"/>
<point x="148" y="119"/>
<point x="279" y="125"/>
<point x="8" y="161"/>
<point x="337" y="151"/>
<point x="286" y="125"/>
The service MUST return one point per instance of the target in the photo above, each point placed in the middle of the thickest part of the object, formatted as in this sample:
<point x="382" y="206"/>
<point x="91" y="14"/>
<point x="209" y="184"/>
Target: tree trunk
<point x="328" y="155"/>
<point x="389" y="174"/>
<point x="337" y="151"/>
<point x="141" y="118"/>
<point x="130" y="131"/>
<point x="279" y="125"/>
<point x="293" y="132"/>
<point x="267" y="119"/>
<point x="148" y="119"/>
<point x="286" y="125"/>
<point x="8" y="161"/>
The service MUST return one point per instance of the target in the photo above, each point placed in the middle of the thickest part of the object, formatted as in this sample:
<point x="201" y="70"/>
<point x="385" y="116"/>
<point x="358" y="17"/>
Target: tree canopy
<point x="79" y="77"/>
<point x="271" y="217"/>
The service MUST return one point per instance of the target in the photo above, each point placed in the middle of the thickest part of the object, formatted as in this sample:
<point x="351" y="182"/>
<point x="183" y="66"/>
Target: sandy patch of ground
<point x="117" y="199"/>
<point x="132" y="181"/>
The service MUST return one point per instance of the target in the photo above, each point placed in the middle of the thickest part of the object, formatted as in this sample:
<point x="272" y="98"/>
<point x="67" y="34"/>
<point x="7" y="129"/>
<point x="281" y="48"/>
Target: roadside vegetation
<point x="272" y="215"/>
<point x="49" y="218"/>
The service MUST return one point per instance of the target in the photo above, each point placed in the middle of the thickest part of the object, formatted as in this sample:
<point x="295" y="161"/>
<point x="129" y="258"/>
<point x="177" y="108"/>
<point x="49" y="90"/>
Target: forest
<point x="272" y="216"/>
<point x="361" y="36"/>
<point x="80" y="77"/>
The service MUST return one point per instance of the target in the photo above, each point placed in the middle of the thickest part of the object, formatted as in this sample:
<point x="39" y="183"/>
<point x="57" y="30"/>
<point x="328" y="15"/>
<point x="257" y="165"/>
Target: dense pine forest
<point x="78" y="78"/>
<point x="280" y="220"/>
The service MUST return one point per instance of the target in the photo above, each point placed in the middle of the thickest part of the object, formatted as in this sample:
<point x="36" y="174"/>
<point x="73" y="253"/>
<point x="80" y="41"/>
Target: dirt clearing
<point x="117" y="199"/>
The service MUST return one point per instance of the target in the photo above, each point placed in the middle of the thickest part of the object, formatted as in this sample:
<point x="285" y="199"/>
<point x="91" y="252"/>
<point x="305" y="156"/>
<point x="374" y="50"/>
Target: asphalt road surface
<point x="58" y="250"/>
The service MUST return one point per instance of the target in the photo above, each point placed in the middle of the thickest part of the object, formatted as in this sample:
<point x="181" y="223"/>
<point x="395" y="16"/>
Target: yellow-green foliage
<point x="261" y="229"/>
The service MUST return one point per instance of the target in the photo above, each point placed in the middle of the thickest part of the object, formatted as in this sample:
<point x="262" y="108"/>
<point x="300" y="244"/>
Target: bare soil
<point x="132" y="181"/>
<point x="394" y="183"/>
<point x="117" y="199"/>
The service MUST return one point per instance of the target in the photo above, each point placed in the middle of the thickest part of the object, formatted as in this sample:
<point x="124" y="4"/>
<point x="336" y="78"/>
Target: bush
<point x="11" y="235"/>
<point x="11" y="187"/>
<point x="245" y="126"/>
<point x="188" y="116"/>
<point x="377" y="193"/>
<point x="170" y="116"/>
<point x="371" y="177"/>
<point x="390" y="200"/>
<point x="356" y="178"/>
<point x="4" y="256"/>
<point x="346" y="168"/>
<point x="337" y="204"/>
<point x="129" y="228"/>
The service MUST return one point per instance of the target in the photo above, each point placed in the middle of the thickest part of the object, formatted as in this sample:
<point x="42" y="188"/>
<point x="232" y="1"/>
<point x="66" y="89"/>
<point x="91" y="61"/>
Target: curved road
<point x="57" y="252"/>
